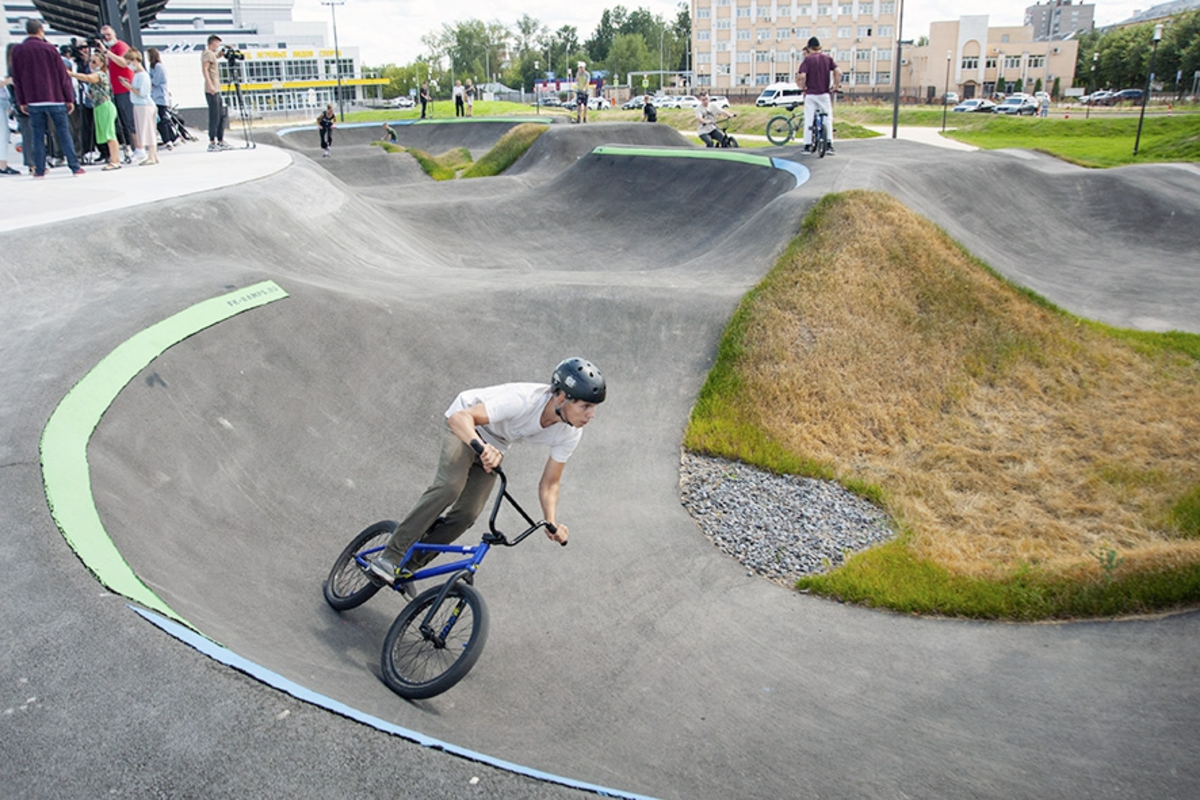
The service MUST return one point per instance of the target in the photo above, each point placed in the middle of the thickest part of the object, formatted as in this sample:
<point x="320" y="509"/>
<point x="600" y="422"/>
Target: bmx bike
<point x="439" y="635"/>
<point x="725" y="139"/>
<point x="782" y="129"/>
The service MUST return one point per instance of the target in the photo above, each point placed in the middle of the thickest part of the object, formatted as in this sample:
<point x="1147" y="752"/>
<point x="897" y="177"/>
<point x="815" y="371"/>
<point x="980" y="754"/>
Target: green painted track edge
<point x="65" y="472"/>
<point x="682" y="152"/>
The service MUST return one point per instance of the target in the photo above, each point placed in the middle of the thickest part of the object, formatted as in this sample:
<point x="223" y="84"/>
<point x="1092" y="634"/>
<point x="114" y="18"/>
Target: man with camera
<point x="211" y="67"/>
<point x="119" y="75"/>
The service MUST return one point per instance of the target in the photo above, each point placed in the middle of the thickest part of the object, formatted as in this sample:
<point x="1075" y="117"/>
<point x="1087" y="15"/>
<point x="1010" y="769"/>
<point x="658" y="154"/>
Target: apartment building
<point x="969" y="57"/>
<point x="742" y="44"/>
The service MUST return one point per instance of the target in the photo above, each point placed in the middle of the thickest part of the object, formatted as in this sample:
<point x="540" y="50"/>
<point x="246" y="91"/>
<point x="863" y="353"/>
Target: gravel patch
<point x="779" y="526"/>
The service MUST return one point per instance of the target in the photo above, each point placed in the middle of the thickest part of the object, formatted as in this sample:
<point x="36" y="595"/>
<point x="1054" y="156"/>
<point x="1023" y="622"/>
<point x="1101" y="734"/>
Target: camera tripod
<point x="243" y="112"/>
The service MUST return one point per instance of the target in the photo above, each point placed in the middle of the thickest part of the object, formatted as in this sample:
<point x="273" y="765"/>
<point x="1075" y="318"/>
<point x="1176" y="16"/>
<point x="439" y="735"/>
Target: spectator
<point x="43" y="91"/>
<point x="458" y="99"/>
<point x="649" y="112"/>
<point x="426" y="100"/>
<point x="5" y="106"/>
<point x="161" y="97"/>
<point x="114" y="51"/>
<point x="104" y="111"/>
<point x="389" y="133"/>
<point x="143" y="107"/>
<point x="469" y="91"/>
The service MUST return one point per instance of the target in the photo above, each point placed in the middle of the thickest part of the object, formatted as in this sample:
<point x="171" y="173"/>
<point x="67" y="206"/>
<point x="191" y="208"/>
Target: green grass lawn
<point x="1099" y="142"/>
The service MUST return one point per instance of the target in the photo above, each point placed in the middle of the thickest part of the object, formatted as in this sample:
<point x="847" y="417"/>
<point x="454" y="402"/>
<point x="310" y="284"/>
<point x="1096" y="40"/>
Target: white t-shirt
<point x="514" y="414"/>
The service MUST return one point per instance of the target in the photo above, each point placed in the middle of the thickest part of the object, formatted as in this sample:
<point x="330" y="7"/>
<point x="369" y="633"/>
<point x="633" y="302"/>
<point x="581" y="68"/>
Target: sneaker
<point x="223" y="146"/>
<point x="383" y="568"/>
<point x="829" y="150"/>
<point x="212" y="147"/>
<point x="78" y="171"/>
<point x="139" y="155"/>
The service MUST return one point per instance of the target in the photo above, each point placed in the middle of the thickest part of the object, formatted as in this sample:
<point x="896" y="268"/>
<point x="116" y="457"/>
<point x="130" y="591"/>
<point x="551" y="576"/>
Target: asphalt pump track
<point x="244" y="446"/>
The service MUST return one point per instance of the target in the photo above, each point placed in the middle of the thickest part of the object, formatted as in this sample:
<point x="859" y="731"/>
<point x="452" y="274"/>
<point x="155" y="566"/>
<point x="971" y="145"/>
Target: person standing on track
<point x="583" y="83"/>
<point x="325" y="124"/>
<point x="426" y="100"/>
<point x="211" y="68"/>
<point x="496" y="417"/>
<point x="818" y="77"/>
<point x="114" y="51"/>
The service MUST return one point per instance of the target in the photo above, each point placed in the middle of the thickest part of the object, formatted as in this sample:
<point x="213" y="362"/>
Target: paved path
<point x="232" y="468"/>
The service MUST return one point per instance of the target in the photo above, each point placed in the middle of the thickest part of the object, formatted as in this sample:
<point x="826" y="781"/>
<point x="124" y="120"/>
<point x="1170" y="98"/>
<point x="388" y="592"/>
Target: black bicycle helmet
<point x="580" y="380"/>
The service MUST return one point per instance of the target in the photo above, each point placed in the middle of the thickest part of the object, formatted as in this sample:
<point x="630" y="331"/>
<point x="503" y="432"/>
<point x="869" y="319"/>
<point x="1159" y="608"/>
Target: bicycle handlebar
<point x="498" y="537"/>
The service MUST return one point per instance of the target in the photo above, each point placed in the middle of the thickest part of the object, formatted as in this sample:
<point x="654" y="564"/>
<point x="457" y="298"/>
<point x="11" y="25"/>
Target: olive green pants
<point x="460" y="488"/>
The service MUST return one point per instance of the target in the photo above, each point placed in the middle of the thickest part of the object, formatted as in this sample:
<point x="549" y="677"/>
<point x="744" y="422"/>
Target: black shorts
<point x="581" y="98"/>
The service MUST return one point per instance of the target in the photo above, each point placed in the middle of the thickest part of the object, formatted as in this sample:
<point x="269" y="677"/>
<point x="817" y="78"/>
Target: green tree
<point x="629" y="53"/>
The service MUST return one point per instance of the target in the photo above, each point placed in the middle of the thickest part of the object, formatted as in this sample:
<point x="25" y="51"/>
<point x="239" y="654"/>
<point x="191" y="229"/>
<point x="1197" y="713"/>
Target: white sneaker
<point x="139" y="155"/>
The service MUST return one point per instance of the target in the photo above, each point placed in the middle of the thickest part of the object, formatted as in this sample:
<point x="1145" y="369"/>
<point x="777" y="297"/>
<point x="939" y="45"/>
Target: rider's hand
<point x="560" y="535"/>
<point x="490" y="458"/>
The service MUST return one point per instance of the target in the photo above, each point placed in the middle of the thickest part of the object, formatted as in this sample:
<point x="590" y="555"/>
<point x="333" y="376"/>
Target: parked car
<point x="551" y="101"/>
<point x="665" y="101"/>
<point x="780" y="94"/>
<point x="403" y="101"/>
<point x="1101" y="98"/>
<point x="1128" y="96"/>
<point x="634" y="103"/>
<point x="1017" y="104"/>
<point x="718" y="101"/>
<point x="598" y="104"/>
<point x="951" y="98"/>
<point x="975" y="105"/>
<point x="688" y="101"/>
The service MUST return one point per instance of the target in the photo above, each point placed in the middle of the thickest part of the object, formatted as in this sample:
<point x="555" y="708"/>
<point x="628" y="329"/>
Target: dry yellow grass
<point x="1002" y="432"/>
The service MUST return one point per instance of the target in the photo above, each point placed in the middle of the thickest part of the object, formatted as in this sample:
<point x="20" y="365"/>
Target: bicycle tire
<point x="779" y="130"/>
<point x="820" y="142"/>
<point x="348" y="585"/>
<point x="415" y="667"/>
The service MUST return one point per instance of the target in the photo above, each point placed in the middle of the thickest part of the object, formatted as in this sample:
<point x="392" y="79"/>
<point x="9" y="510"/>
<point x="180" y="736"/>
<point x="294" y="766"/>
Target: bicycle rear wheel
<point x="348" y="585"/>
<point x="418" y="664"/>
<point x="779" y="130"/>
<point x="820" y="142"/>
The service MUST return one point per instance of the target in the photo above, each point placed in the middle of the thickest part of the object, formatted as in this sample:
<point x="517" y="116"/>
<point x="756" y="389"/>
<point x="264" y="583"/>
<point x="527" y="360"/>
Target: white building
<point x="752" y="43"/>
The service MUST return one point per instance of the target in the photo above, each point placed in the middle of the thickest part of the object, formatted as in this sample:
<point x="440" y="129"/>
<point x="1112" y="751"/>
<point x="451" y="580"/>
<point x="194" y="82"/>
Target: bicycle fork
<point x="438" y="638"/>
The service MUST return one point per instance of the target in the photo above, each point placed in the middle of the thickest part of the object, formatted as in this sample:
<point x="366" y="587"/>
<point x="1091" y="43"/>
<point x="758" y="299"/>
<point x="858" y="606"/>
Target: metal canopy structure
<point x="84" y="17"/>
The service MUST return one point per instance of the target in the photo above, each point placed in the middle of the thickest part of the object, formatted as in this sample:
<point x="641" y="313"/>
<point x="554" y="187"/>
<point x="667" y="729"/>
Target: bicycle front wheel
<point x="779" y="130"/>
<point x="348" y="585"/>
<point x="421" y="663"/>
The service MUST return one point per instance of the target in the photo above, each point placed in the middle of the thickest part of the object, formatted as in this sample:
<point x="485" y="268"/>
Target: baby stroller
<point x="172" y="128"/>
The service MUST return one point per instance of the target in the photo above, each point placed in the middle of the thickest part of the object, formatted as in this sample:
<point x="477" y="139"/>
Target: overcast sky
<point x="391" y="30"/>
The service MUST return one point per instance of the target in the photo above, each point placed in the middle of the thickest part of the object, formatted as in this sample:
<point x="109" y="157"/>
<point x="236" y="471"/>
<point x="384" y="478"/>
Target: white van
<point x="780" y="94"/>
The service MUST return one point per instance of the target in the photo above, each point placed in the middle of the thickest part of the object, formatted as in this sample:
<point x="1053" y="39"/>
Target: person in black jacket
<point x="325" y="124"/>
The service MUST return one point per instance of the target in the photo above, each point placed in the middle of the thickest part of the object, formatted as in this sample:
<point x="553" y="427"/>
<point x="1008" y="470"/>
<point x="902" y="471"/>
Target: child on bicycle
<point x="497" y="417"/>
<point x="707" y="118"/>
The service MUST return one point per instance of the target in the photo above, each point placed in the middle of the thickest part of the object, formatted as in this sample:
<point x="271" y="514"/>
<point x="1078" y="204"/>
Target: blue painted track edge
<point x="260" y="673"/>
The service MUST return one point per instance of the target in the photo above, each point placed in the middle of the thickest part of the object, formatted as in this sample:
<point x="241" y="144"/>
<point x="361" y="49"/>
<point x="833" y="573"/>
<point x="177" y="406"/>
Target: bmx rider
<point x="707" y="118"/>
<point x="497" y="416"/>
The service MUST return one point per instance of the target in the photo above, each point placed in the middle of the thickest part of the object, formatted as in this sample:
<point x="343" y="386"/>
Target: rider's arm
<point x="548" y="495"/>
<point x="463" y="423"/>
<point x="837" y="80"/>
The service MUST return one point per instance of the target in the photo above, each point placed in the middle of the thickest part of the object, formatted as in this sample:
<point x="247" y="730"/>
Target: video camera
<point x="232" y="55"/>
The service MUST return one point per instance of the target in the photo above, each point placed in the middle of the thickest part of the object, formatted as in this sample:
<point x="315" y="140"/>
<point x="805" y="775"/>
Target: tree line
<point x="516" y="55"/>
<point x="1124" y="56"/>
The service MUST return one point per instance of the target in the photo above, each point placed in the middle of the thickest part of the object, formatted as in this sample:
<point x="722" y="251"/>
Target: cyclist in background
<point x="707" y="118"/>
<point x="818" y="77"/>
<point x="497" y="417"/>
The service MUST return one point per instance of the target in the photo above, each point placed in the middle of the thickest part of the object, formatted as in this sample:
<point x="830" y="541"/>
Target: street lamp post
<point x="945" y="94"/>
<point x="537" y="100"/>
<point x="337" y="53"/>
<point x="1091" y="86"/>
<point x="661" y="33"/>
<point x="899" y="49"/>
<point x="1158" y="29"/>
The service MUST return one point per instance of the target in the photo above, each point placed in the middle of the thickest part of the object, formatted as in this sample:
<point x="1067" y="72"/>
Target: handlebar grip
<point x="550" y="526"/>
<point x="477" y="446"/>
